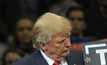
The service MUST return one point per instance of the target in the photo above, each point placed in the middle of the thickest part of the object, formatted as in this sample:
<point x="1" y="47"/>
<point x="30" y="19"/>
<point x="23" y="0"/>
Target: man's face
<point x="59" y="47"/>
<point x="77" y="19"/>
<point x="23" y="31"/>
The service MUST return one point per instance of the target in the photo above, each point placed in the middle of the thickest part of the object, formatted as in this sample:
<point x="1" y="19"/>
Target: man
<point x="51" y="36"/>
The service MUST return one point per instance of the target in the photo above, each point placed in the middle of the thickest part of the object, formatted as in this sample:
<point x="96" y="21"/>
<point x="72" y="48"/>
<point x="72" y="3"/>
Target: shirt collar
<point x="51" y="61"/>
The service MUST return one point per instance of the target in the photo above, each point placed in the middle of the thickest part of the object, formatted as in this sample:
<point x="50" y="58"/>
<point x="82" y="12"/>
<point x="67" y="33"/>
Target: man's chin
<point x="63" y="56"/>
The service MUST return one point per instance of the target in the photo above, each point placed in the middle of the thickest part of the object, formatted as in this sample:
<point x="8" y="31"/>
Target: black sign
<point x="95" y="53"/>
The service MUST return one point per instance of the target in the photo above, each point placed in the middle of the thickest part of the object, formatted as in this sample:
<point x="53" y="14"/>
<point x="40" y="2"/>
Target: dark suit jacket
<point x="75" y="57"/>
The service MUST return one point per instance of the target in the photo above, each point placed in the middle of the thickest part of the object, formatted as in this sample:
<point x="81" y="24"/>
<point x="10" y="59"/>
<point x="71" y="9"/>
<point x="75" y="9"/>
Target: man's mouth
<point x="65" y="51"/>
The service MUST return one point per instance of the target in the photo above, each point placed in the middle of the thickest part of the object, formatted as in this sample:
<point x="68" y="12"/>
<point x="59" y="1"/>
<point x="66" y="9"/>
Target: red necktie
<point x="56" y="63"/>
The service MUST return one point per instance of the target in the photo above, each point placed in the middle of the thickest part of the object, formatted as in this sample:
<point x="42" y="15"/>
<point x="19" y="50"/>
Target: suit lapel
<point x="69" y="61"/>
<point x="39" y="58"/>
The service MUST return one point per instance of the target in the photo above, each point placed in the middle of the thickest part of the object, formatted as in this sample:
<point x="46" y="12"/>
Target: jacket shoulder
<point x="24" y="61"/>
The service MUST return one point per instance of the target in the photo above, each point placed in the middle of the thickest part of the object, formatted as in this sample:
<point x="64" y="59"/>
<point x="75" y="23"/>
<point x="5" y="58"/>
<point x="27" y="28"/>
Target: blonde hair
<point x="47" y="26"/>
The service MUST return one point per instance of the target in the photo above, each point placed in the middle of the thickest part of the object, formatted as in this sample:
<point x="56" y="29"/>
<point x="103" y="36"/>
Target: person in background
<point x="50" y="36"/>
<point x="10" y="56"/>
<point x="78" y="19"/>
<point x="22" y="34"/>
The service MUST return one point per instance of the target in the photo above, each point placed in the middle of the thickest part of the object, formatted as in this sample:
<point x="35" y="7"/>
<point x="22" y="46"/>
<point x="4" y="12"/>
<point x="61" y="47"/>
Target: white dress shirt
<point x="51" y="61"/>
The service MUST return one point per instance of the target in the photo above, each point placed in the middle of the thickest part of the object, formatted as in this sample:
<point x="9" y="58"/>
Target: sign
<point x="95" y="53"/>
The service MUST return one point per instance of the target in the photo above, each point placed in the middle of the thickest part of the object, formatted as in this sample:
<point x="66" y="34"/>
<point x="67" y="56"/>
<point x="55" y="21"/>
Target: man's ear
<point x="43" y="46"/>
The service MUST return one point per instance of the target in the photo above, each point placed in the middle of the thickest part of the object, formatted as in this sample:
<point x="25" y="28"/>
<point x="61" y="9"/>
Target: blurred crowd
<point x="88" y="17"/>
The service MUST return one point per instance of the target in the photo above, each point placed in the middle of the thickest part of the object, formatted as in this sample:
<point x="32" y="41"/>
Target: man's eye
<point x="61" y="41"/>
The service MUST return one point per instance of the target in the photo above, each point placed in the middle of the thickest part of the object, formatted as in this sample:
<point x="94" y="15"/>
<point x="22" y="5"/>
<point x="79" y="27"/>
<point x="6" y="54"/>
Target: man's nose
<point x="68" y="43"/>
